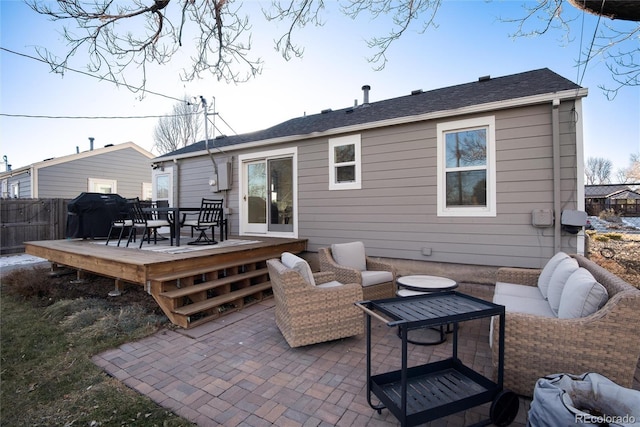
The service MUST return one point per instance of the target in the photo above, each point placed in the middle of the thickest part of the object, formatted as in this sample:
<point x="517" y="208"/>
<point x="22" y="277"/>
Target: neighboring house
<point x="624" y="199"/>
<point x="124" y="169"/>
<point x="478" y="173"/>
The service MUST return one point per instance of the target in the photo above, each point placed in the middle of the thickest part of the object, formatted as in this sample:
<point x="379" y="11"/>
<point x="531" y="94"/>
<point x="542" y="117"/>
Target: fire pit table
<point x="418" y="394"/>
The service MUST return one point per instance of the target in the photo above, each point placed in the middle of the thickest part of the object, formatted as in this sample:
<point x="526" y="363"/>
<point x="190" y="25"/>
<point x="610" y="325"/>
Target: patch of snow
<point x="22" y="259"/>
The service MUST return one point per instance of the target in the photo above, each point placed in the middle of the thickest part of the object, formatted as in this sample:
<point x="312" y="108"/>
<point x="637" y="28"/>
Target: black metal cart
<point x="418" y="394"/>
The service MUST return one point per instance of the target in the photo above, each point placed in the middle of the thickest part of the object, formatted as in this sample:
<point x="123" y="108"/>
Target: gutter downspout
<point x="555" y="140"/>
<point x="176" y="183"/>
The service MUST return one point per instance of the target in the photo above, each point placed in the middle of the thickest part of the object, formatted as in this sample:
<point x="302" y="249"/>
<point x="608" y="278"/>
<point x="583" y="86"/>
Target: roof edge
<point x="90" y="153"/>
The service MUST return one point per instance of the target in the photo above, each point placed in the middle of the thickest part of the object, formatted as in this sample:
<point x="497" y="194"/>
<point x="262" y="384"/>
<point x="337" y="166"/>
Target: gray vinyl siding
<point x="395" y="211"/>
<point x="24" y="184"/>
<point x="128" y="167"/>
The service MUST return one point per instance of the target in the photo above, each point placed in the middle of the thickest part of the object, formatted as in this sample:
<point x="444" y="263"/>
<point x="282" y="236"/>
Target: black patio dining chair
<point x="144" y="220"/>
<point x="123" y="223"/>
<point x="150" y="208"/>
<point x="211" y="215"/>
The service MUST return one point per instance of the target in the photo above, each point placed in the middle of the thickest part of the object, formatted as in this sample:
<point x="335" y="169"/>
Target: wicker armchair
<point x="366" y="277"/>
<point x="606" y="342"/>
<point x="308" y="314"/>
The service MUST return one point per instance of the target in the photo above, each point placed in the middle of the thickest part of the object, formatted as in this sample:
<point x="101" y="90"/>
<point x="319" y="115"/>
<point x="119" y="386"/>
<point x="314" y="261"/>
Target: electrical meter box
<point x="223" y="181"/>
<point x="542" y="218"/>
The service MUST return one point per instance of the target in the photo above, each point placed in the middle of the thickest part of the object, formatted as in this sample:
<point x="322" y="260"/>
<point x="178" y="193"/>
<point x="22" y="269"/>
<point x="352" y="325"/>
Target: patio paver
<point x="242" y="372"/>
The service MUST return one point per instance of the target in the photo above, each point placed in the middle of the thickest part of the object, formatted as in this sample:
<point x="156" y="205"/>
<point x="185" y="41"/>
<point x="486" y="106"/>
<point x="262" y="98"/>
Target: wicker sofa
<point x="606" y="342"/>
<point x="309" y="313"/>
<point x="377" y="278"/>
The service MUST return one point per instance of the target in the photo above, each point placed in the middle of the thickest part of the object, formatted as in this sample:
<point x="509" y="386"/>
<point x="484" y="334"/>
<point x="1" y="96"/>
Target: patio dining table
<point x="174" y="213"/>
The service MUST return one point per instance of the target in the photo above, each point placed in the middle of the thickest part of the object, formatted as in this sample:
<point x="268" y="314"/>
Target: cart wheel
<point x="504" y="408"/>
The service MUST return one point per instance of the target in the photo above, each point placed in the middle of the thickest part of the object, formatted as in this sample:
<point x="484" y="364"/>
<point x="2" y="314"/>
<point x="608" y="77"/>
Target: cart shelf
<point x="419" y="394"/>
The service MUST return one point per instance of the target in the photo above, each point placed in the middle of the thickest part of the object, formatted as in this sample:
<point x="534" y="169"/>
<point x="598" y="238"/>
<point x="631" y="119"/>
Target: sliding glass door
<point x="268" y="198"/>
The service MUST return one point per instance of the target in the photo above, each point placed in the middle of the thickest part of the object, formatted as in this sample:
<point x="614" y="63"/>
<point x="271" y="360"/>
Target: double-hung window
<point x="344" y="163"/>
<point x="466" y="167"/>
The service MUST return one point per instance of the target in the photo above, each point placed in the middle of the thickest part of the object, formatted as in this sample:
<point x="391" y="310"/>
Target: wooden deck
<point x="191" y="287"/>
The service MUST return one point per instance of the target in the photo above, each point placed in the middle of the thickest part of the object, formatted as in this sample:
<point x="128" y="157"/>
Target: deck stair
<point x="195" y="296"/>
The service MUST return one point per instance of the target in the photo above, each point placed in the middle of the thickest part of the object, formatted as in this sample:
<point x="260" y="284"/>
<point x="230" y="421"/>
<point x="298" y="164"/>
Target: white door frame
<point x="243" y="200"/>
<point x="155" y="173"/>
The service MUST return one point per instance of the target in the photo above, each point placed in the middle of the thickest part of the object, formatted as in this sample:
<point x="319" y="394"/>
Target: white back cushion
<point x="565" y="268"/>
<point x="547" y="271"/>
<point x="299" y="265"/>
<point x="581" y="296"/>
<point x="350" y="255"/>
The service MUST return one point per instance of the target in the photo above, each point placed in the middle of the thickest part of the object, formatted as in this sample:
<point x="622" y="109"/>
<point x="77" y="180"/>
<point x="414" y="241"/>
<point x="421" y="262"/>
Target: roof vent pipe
<point x="91" y="143"/>
<point x="366" y="89"/>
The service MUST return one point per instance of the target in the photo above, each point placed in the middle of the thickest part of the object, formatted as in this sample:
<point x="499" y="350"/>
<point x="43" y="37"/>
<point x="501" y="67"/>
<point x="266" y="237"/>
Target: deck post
<point x="119" y="287"/>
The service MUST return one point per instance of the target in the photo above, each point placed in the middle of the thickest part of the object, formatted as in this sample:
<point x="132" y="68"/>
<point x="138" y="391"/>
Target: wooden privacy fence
<point x="25" y="220"/>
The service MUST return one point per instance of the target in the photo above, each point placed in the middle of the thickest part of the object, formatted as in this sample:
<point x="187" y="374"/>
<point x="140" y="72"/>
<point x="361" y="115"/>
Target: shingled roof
<point x="485" y="90"/>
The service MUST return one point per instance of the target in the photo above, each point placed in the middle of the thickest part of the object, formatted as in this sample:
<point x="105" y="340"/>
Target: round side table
<point x="419" y="285"/>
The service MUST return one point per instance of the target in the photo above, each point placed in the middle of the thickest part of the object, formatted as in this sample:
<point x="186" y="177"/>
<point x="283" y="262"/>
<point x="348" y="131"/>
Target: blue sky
<point x="470" y="41"/>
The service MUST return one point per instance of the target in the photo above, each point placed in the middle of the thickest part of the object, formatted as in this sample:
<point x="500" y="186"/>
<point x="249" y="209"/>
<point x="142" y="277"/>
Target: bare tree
<point x="597" y="170"/>
<point x="179" y="129"/>
<point x="618" y="47"/>
<point x="630" y="174"/>
<point x="121" y="36"/>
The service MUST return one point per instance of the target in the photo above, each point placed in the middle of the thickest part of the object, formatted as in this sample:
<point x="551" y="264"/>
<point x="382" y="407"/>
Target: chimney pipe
<point x="91" y="143"/>
<point x="366" y="89"/>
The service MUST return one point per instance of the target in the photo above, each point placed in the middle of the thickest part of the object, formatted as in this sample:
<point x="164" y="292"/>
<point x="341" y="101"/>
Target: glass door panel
<point x="281" y="194"/>
<point x="256" y="197"/>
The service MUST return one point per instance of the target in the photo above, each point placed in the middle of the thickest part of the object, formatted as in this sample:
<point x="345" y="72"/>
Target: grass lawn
<point x="49" y="332"/>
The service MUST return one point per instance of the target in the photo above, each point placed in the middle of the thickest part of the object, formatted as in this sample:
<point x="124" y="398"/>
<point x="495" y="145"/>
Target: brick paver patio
<point x="239" y="371"/>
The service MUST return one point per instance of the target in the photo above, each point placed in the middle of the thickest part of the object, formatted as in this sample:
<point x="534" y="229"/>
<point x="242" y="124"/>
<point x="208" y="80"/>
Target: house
<point x="124" y="169"/>
<point x="479" y="173"/>
<point x="624" y="199"/>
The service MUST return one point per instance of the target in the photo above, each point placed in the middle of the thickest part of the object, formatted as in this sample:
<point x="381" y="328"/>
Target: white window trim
<point x="15" y="190"/>
<point x="345" y="140"/>
<point x="468" y="211"/>
<point x="93" y="182"/>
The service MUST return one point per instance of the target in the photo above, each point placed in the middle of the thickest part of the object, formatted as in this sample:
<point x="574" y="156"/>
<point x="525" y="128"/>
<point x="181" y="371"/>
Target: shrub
<point x="601" y="238"/>
<point x="614" y="236"/>
<point x="27" y="284"/>
<point x="609" y="215"/>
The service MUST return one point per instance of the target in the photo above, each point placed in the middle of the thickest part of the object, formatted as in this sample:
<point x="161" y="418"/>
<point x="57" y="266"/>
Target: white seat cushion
<point x="519" y="304"/>
<point x="525" y="291"/>
<point x="565" y="268"/>
<point x="370" y="277"/>
<point x="582" y="295"/>
<point x="153" y="223"/>
<point x="331" y="284"/>
<point x="547" y="272"/>
<point x="299" y="265"/>
<point x="350" y="255"/>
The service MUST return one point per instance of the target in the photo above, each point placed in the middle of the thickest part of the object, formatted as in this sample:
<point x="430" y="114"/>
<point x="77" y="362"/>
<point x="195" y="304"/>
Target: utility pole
<point x="206" y="131"/>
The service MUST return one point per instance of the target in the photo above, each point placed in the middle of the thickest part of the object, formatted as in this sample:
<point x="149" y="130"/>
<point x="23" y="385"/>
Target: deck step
<point x="219" y="301"/>
<point x="211" y="284"/>
<point x="177" y="275"/>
